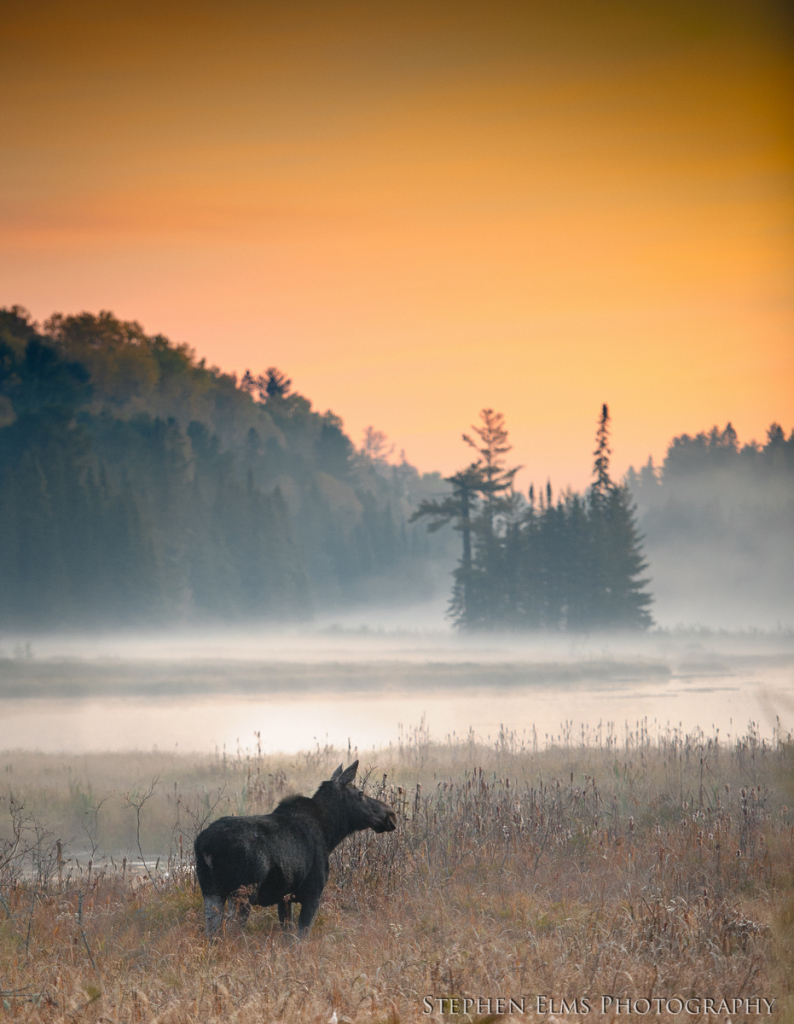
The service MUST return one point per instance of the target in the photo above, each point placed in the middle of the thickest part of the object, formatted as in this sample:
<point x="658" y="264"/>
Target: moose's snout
<point x="389" y="823"/>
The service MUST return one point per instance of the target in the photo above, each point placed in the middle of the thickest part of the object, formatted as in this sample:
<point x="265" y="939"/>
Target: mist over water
<point x="368" y="679"/>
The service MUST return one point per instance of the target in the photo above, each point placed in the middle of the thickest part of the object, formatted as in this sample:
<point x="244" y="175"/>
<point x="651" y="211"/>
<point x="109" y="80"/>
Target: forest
<point x="139" y="486"/>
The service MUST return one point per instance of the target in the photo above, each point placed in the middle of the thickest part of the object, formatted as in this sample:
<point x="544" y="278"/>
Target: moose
<point x="282" y="858"/>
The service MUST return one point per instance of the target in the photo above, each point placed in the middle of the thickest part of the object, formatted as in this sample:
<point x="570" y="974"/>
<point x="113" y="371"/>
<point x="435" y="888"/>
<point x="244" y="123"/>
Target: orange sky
<point x="418" y="210"/>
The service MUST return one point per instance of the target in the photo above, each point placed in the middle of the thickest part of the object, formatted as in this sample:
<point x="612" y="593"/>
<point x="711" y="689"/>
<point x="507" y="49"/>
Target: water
<point x="194" y="692"/>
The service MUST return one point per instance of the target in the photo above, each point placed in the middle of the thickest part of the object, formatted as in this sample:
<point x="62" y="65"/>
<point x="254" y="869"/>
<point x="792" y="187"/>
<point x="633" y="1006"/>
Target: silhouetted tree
<point x="616" y="564"/>
<point x="457" y="508"/>
<point x="376" y="445"/>
<point x="492" y="446"/>
<point x="575" y="564"/>
<point x="277" y="384"/>
<point x="270" y="384"/>
<point x="602" y="483"/>
<point x="621" y="600"/>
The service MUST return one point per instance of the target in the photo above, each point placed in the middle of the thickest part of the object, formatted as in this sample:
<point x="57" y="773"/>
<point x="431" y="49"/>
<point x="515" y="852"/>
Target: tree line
<point x="574" y="563"/>
<point x="138" y="485"/>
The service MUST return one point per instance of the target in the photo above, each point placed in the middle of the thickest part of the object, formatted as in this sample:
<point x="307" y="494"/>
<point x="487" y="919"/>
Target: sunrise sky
<point x="420" y="209"/>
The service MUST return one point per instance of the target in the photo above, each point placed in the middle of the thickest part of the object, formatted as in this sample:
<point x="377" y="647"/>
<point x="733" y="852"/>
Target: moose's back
<point x="275" y="853"/>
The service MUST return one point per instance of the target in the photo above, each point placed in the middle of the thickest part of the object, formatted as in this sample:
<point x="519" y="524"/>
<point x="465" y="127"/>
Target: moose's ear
<point x="337" y="773"/>
<point x="348" y="774"/>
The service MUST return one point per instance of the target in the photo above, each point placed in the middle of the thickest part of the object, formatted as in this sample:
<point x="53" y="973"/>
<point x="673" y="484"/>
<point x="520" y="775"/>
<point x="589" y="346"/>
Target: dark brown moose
<point x="282" y="857"/>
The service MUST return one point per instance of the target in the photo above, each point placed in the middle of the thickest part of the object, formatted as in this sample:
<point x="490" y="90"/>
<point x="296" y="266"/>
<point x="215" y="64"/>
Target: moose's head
<point x="360" y="810"/>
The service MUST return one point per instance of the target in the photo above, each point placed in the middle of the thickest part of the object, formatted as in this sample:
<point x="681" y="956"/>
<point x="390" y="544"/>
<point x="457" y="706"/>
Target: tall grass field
<point x="611" y="876"/>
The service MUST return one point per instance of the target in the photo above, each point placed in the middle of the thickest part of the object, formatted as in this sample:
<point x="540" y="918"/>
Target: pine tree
<point x="459" y="509"/>
<point x="491" y="584"/>
<point x="492" y="446"/>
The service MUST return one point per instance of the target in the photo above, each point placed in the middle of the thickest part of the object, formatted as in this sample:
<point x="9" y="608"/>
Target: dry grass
<point x="641" y="868"/>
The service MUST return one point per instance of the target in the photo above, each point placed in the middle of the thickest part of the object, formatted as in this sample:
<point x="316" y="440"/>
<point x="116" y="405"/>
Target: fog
<point x="702" y="585"/>
<point x="718" y="524"/>
<point x="368" y="679"/>
<point x="729" y="567"/>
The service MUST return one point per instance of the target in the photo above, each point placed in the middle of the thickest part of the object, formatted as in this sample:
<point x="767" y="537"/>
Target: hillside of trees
<point x="718" y="518"/>
<point x="574" y="563"/>
<point x="139" y="486"/>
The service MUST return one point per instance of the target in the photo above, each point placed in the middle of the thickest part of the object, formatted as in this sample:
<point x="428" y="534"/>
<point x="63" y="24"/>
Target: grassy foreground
<point x="648" y="869"/>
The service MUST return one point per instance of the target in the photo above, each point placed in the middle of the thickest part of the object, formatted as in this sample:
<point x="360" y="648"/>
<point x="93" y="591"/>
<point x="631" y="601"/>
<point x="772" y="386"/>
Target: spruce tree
<point x="625" y="602"/>
<point x="603" y="482"/>
<point x="617" y="564"/>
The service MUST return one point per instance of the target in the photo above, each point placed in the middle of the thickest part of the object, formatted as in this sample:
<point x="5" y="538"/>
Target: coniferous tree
<point x="457" y="508"/>
<point x="625" y="602"/>
<point x="492" y="446"/>
<point x="487" y="596"/>
<point x="603" y="482"/>
<point x="529" y="585"/>
<point x="618" y="597"/>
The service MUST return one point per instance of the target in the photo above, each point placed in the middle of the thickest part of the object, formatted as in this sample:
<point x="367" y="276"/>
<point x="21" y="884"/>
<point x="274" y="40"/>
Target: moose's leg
<point x="213" y="914"/>
<point x="309" y="906"/>
<point x="285" y="911"/>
